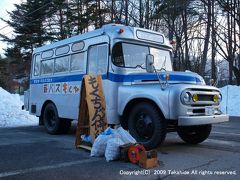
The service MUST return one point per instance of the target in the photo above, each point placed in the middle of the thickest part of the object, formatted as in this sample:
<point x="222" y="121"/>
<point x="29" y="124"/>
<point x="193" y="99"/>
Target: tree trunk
<point x="99" y="14"/>
<point x="140" y="14"/>
<point x="112" y="9"/>
<point x="126" y="12"/>
<point x="79" y="18"/>
<point x="213" y="44"/>
<point x="61" y="24"/>
<point x="147" y="15"/>
<point x="207" y="37"/>
<point x="184" y="19"/>
<point x="237" y="74"/>
<point x="230" y="48"/>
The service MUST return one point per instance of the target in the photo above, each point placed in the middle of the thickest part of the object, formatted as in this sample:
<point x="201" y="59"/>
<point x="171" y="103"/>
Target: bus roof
<point x="114" y="31"/>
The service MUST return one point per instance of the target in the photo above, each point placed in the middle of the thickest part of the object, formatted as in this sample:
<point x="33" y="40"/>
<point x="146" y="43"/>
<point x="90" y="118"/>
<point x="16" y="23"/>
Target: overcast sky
<point x="6" y="5"/>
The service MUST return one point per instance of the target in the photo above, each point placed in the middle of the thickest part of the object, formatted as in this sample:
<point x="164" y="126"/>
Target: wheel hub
<point x="51" y="118"/>
<point x="144" y="126"/>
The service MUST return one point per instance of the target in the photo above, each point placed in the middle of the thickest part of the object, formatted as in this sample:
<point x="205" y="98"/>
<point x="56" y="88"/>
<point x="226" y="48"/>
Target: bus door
<point x="97" y="61"/>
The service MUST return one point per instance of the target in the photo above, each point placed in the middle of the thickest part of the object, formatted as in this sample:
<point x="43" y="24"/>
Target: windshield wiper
<point x="164" y="65"/>
<point x="140" y="65"/>
<point x="162" y="84"/>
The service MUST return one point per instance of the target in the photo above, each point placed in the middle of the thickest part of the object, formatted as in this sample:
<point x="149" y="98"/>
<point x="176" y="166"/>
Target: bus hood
<point x="174" y="77"/>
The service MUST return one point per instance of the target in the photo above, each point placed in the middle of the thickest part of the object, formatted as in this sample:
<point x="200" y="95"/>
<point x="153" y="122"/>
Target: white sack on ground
<point x="120" y="137"/>
<point x="124" y="135"/>
<point x="100" y="143"/>
<point x="113" y="149"/>
<point x="109" y="141"/>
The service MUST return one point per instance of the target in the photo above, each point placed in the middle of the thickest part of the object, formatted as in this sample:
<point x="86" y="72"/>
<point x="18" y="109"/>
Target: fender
<point x="126" y="94"/>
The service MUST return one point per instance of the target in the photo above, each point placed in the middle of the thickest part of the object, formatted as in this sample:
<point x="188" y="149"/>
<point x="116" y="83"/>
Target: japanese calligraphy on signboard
<point x="96" y="104"/>
<point x="96" y="107"/>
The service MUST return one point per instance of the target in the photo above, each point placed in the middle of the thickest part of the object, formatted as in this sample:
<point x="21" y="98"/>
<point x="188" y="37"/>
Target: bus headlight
<point x="220" y="98"/>
<point x="187" y="97"/>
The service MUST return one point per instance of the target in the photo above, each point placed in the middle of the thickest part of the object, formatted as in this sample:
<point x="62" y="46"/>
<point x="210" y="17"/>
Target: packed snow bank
<point x="11" y="113"/>
<point x="231" y="100"/>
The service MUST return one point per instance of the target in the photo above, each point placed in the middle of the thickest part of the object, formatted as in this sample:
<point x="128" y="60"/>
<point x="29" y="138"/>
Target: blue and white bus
<point x="142" y="91"/>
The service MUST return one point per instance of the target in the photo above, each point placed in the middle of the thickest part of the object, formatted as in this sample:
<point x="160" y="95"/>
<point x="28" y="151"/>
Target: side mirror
<point x="150" y="63"/>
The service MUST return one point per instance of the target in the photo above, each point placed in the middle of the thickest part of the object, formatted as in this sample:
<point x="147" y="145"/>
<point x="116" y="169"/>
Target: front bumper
<point x="200" y="120"/>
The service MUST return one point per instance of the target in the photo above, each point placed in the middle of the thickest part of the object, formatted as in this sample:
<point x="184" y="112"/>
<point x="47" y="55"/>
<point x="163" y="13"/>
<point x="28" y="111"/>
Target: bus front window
<point x="134" y="56"/>
<point x="162" y="59"/>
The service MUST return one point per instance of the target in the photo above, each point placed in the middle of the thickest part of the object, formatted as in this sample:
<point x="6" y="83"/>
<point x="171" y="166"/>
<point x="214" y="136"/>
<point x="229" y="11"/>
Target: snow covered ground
<point x="231" y="100"/>
<point x="11" y="113"/>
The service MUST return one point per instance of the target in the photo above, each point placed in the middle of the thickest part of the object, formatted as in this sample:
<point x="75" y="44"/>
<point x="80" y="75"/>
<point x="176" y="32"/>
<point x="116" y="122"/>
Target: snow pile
<point x="11" y="113"/>
<point x="231" y="100"/>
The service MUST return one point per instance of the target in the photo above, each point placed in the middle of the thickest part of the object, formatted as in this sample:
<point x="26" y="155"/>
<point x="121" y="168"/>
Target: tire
<point x="194" y="134"/>
<point x="146" y="125"/>
<point x="53" y="124"/>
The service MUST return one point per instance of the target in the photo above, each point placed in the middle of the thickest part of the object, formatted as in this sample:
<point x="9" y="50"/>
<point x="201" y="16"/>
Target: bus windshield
<point x="134" y="56"/>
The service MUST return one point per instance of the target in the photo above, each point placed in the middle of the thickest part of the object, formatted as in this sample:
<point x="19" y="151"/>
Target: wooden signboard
<point x="92" y="118"/>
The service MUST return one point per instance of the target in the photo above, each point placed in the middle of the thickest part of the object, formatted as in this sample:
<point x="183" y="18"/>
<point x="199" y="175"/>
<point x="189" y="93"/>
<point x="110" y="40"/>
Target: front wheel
<point x="146" y="125"/>
<point x="194" y="134"/>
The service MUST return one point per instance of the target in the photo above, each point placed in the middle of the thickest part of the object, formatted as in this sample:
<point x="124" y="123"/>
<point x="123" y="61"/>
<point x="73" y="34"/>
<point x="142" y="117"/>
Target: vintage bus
<point x="142" y="91"/>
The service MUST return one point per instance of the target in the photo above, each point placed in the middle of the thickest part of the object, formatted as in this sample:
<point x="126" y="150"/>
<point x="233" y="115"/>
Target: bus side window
<point x="62" y="50"/>
<point x="118" y="59"/>
<point x="61" y="64"/>
<point x="77" y="62"/>
<point x="37" y="60"/>
<point x="47" y="66"/>
<point x="98" y="59"/>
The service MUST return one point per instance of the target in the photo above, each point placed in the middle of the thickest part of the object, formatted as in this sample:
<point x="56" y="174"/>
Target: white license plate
<point x="209" y="111"/>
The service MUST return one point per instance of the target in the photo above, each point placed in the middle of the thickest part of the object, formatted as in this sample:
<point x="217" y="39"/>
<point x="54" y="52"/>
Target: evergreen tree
<point x="27" y="22"/>
<point x="59" y="26"/>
